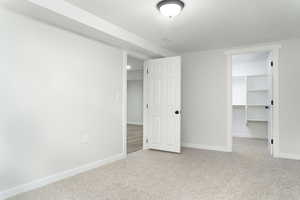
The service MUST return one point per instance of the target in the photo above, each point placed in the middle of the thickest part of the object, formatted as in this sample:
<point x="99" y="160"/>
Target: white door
<point x="270" y="65"/>
<point x="162" y="104"/>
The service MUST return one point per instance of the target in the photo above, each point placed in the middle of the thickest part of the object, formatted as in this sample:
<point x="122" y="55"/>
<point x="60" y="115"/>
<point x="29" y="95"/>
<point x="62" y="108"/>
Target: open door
<point x="270" y="65"/>
<point x="162" y="104"/>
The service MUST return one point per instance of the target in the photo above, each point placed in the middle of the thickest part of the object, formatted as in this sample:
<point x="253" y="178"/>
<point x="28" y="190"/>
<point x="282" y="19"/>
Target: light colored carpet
<point x="247" y="174"/>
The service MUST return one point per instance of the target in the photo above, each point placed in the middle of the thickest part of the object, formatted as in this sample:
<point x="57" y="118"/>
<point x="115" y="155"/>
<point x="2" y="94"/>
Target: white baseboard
<point x="206" y="147"/>
<point x="135" y="123"/>
<point x="59" y="176"/>
<point x="288" y="156"/>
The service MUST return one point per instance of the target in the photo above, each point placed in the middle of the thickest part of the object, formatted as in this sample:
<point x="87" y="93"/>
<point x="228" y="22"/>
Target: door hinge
<point x="147" y="71"/>
<point x="272" y="63"/>
<point x="272" y="102"/>
<point x="272" y="141"/>
<point x="147" y="106"/>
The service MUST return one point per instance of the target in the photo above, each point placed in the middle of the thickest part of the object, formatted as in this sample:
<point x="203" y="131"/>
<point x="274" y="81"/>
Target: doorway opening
<point x="252" y="100"/>
<point x="134" y="104"/>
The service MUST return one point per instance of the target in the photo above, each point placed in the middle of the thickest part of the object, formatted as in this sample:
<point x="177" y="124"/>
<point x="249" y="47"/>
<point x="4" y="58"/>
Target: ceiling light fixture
<point x="128" y="67"/>
<point x="170" y="8"/>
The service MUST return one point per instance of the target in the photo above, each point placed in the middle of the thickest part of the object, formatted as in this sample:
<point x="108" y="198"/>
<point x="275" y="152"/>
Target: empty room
<point x="149" y="99"/>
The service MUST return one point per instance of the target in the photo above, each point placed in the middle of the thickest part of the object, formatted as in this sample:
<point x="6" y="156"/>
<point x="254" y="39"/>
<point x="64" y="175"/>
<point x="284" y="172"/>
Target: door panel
<point x="270" y="66"/>
<point x="163" y="99"/>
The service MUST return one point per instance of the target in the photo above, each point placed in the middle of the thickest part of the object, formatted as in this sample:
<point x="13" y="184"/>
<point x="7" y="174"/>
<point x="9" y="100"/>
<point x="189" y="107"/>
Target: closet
<point x="251" y="94"/>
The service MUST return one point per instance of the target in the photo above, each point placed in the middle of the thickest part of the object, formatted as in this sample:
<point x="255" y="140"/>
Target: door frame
<point x="275" y="50"/>
<point x="145" y="116"/>
<point x="125" y="55"/>
<point x="124" y="102"/>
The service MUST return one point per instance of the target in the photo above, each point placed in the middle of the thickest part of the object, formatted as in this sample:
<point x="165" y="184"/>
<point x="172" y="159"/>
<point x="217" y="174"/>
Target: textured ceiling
<point x="203" y="24"/>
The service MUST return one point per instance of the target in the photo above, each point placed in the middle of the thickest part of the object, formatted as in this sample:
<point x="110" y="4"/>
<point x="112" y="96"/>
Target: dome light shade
<point x="128" y="67"/>
<point x="170" y="8"/>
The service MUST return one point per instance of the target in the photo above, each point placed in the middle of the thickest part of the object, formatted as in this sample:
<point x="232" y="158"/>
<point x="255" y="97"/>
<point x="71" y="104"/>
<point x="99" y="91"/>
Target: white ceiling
<point x="72" y="18"/>
<point x="203" y="24"/>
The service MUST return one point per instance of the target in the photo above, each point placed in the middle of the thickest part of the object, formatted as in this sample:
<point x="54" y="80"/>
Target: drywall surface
<point x="289" y="98"/>
<point x="135" y="63"/>
<point x="204" y="99"/>
<point x="135" y="102"/>
<point x="256" y="67"/>
<point x="61" y="100"/>
<point x="135" y="75"/>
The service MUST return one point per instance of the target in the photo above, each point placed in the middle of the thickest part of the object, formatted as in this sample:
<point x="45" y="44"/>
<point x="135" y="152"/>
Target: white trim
<point x="82" y="16"/>
<point x="59" y="176"/>
<point x="276" y="107"/>
<point x="124" y="102"/>
<point x="206" y="147"/>
<point x="145" y="111"/>
<point x="288" y="156"/>
<point x="251" y="49"/>
<point x="229" y="103"/>
<point x="135" y="123"/>
<point x="275" y="50"/>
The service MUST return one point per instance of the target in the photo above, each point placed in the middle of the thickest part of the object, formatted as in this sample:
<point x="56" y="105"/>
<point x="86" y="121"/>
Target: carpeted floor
<point x="248" y="173"/>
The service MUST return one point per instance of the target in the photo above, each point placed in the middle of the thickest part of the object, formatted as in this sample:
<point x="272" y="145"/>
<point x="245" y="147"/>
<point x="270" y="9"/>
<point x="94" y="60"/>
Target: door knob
<point x="177" y="112"/>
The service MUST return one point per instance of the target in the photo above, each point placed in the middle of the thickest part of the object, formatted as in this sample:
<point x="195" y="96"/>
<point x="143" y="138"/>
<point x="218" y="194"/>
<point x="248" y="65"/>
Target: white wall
<point x="135" y="63"/>
<point x="205" y="98"/>
<point x="135" y="75"/>
<point x="135" y="102"/>
<point x="61" y="100"/>
<point x="257" y="67"/>
<point x="289" y="107"/>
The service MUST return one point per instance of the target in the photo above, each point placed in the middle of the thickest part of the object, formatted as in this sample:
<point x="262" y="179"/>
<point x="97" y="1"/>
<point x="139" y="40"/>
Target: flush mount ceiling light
<point x="170" y="8"/>
<point x="128" y="67"/>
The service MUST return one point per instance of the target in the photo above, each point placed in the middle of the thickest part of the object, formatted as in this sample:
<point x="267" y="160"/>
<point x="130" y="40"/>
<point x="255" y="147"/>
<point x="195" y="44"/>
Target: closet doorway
<point x="134" y="104"/>
<point x="254" y="94"/>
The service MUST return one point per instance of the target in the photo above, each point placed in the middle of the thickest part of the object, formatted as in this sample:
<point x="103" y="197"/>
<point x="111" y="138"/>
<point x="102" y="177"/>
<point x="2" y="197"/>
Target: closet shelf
<point x="256" y="105"/>
<point x="250" y="76"/>
<point x="257" y="120"/>
<point x="258" y="75"/>
<point x="249" y="105"/>
<point x="257" y="90"/>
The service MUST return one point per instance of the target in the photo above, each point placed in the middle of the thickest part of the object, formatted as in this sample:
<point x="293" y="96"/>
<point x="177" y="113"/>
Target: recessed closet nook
<point x="252" y="95"/>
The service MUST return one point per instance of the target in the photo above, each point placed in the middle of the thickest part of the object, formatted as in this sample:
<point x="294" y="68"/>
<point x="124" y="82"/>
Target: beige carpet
<point x="248" y="173"/>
